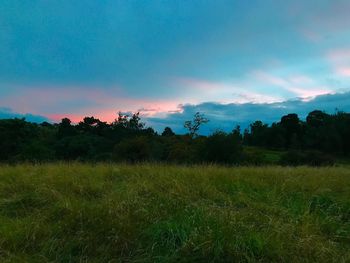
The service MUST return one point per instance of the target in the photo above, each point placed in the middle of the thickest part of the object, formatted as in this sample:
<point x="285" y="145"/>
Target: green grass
<point x="159" y="213"/>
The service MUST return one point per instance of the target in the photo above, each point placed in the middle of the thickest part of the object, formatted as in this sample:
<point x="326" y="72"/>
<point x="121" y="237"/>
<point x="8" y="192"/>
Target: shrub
<point x="253" y="158"/>
<point x="316" y="158"/>
<point x="133" y="149"/>
<point x="312" y="158"/>
<point x="223" y="148"/>
<point x="181" y="152"/>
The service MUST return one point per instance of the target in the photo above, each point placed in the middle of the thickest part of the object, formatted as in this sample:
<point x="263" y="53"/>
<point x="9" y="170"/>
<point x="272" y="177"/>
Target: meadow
<point x="165" y="213"/>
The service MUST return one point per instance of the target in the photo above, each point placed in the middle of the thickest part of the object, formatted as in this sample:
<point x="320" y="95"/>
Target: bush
<point x="35" y="151"/>
<point x="133" y="150"/>
<point x="102" y="157"/>
<point x="253" y="158"/>
<point x="181" y="152"/>
<point x="312" y="158"/>
<point x="316" y="158"/>
<point x="223" y="148"/>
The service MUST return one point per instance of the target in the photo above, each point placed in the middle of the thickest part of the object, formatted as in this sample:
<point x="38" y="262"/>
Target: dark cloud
<point x="6" y="113"/>
<point x="227" y="116"/>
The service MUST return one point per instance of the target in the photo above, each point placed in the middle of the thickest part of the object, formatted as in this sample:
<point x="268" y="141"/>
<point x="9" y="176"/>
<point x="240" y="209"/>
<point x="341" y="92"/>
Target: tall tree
<point x="194" y="125"/>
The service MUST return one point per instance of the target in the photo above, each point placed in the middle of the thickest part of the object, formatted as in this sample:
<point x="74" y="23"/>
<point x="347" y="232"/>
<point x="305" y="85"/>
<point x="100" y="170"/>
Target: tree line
<point x="317" y="140"/>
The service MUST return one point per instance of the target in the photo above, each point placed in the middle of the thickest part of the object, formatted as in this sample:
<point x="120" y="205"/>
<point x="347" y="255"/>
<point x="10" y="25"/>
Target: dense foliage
<point x="127" y="139"/>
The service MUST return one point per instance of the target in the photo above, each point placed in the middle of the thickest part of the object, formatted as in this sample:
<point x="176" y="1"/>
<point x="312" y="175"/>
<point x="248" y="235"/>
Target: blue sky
<point x="85" y="57"/>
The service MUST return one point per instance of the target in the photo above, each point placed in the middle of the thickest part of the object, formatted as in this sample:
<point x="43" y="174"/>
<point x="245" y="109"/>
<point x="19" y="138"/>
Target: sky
<point x="233" y="60"/>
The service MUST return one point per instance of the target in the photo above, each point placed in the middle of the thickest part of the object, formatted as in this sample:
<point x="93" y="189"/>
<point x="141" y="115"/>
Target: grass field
<point x="159" y="213"/>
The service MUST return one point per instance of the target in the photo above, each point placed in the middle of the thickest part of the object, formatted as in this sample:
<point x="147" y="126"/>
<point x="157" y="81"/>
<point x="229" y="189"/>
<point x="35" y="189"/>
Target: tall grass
<point x="162" y="213"/>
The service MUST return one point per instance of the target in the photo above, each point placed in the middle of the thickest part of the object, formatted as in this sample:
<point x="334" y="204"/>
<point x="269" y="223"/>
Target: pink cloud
<point x="78" y="102"/>
<point x="147" y="108"/>
<point x="58" y="117"/>
<point x="301" y="85"/>
<point x="344" y="71"/>
<point x="110" y="114"/>
<point x="308" y="94"/>
<point x="283" y="81"/>
<point x="247" y="90"/>
<point x="37" y="99"/>
<point x="224" y="92"/>
<point x="339" y="54"/>
<point x="340" y="60"/>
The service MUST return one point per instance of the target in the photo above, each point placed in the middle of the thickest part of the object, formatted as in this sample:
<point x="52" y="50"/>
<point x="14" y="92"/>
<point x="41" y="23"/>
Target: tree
<point x="292" y="126"/>
<point x="88" y="124"/>
<point x="65" y="128"/>
<point x="121" y="121"/>
<point x="92" y="125"/>
<point x="127" y="122"/>
<point x="180" y="150"/>
<point x="14" y="135"/>
<point x="194" y="125"/>
<point x="168" y="132"/>
<point x="223" y="148"/>
<point x="93" y="139"/>
<point x="258" y="131"/>
<point x="133" y="149"/>
<point x="236" y="132"/>
<point x="291" y="123"/>
<point x="316" y="118"/>
<point x="135" y="122"/>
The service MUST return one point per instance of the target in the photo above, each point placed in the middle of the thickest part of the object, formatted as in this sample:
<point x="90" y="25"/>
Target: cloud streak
<point x="301" y="86"/>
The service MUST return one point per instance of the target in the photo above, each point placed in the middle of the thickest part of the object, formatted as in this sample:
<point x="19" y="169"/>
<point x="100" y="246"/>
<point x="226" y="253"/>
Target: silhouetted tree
<point x="194" y="125"/>
<point x="292" y="127"/>
<point x="258" y="132"/>
<point x="135" y="122"/>
<point x="65" y="128"/>
<point x="129" y="122"/>
<point x="316" y="118"/>
<point x="168" y="132"/>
